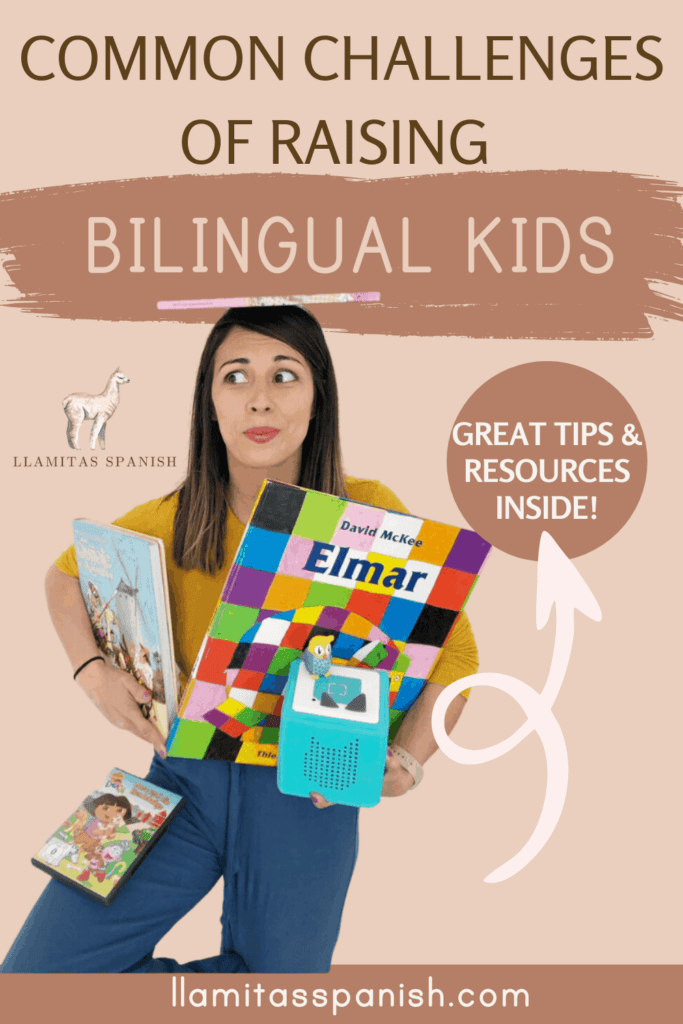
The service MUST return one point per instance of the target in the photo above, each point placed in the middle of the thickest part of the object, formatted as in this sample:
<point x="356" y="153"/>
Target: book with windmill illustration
<point x="123" y="581"/>
<point x="310" y="564"/>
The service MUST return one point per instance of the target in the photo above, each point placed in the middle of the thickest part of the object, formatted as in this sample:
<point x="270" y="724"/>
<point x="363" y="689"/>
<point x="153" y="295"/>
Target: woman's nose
<point x="260" y="400"/>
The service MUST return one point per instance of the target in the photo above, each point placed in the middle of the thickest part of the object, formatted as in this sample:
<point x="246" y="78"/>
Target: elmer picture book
<point x="314" y="563"/>
<point x="101" y="844"/>
<point x="124" y="586"/>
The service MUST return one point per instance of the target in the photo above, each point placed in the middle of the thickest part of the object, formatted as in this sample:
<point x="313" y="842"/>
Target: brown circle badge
<point x="547" y="446"/>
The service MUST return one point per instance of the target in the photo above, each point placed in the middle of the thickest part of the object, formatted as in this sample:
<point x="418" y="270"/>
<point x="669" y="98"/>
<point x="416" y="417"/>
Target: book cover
<point x="314" y="563"/>
<point x="101" y="844"/>
<point x="123" y="582"/>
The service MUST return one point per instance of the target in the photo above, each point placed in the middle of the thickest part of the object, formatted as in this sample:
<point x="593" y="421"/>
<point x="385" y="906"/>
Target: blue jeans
<point x="286" y="868"/>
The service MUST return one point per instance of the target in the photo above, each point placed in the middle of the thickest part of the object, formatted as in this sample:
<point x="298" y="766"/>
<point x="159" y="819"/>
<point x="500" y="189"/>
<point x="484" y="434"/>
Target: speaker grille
<point x="331" y="767"/>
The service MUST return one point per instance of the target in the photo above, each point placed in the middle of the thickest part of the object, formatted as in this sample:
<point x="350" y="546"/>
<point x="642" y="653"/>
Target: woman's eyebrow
<point x="243" y="360"/>
<point x="239" y="359"/>
<point x="278" y="359"/>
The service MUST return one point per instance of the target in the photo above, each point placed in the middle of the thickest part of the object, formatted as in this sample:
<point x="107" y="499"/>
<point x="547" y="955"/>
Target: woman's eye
<point x="284" y="376"/>
<point x="236" y="377"/>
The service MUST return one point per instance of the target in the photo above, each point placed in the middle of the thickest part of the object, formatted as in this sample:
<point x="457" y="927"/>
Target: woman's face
<point x="262" y="394"/>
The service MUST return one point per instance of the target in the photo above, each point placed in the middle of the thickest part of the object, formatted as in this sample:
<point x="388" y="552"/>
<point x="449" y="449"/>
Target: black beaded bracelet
<point x="97" y="657"/>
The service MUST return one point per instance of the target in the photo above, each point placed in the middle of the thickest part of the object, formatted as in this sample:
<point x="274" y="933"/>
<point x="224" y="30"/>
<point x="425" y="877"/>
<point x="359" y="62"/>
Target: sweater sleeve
<point x="154" y="518"/>
<point x="459" y="656"/>
<point x="67" y="563"/>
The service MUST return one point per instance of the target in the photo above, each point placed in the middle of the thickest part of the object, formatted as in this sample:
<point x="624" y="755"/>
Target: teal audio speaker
<point x="333" y="734"/>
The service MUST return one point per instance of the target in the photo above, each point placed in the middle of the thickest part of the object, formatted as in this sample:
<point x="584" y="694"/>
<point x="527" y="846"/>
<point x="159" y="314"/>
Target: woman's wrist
<point x="405" y="779"/>
<point x="92" y="659"/>
<point x="409" y="763"/>
<point x="91" y="672"/>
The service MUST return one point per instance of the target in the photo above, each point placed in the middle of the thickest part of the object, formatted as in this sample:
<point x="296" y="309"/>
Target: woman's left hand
<point x="397" y="781"/>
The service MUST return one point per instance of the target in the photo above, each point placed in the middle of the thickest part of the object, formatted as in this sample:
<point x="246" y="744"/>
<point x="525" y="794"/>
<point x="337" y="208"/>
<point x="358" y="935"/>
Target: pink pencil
<point x="270" y="300"/>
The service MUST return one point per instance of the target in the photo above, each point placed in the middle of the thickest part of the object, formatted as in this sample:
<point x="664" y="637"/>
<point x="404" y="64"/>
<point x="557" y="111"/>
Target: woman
<point x="265" y="405"/>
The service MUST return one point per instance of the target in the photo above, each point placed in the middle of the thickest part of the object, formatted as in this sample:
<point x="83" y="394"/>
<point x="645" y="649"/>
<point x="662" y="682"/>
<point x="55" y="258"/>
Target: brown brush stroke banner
<point x="46" y="233"/>
<point x="557" y="994"/>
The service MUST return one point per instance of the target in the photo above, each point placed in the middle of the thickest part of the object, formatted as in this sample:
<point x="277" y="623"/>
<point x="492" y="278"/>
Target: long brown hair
<point x="199" y="528"/>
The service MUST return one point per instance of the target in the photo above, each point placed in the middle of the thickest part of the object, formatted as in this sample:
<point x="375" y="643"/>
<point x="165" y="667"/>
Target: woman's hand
<point x="113" y="692"/>
<point x="397" y="781"/>
<point x="119" y="697"/>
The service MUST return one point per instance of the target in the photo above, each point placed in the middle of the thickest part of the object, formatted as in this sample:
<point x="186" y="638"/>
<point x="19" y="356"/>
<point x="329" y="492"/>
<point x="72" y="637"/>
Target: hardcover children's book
<point x="99" y="847"/>
<point x="309" y="564"/>
<point x="125" y="589"/>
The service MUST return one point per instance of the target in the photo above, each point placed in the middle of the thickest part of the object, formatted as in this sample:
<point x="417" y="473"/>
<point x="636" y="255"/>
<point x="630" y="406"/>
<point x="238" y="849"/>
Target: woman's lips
<point x="261" y="435"/>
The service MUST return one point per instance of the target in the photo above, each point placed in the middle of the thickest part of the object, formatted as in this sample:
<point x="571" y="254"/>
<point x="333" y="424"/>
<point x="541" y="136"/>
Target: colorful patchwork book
<point x="99" y="847"/>
<point x="308" y="564"/>
<point x="124" y="586"/>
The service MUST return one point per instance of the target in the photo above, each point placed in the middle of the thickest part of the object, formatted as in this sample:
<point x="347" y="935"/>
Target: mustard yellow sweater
<point x="195" y="594"/>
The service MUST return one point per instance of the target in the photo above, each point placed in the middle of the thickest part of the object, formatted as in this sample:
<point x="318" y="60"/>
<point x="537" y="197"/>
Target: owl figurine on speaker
<point x="318" y="656"/>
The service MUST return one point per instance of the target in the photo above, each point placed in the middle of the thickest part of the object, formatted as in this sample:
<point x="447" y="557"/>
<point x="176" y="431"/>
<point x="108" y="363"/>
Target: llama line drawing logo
<point x="80" y="406"/>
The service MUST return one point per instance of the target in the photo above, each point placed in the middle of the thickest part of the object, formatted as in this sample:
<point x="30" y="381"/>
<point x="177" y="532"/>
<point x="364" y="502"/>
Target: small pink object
<point x="269" y="300"/>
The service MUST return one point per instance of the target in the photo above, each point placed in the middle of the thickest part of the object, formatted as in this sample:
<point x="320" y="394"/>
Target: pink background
<point x="604" y="888"/>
